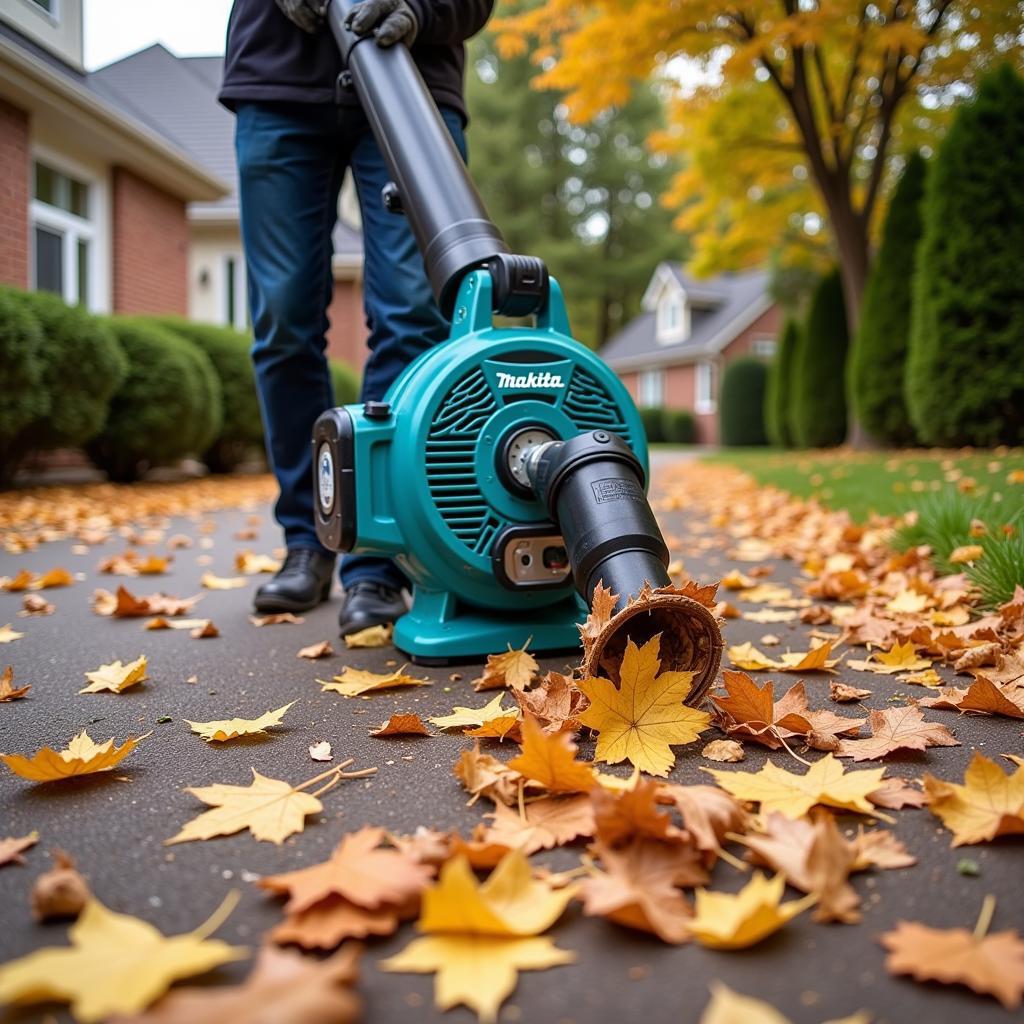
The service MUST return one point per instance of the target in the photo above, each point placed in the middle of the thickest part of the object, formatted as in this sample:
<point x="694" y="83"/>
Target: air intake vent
<point x="589" y="406"/>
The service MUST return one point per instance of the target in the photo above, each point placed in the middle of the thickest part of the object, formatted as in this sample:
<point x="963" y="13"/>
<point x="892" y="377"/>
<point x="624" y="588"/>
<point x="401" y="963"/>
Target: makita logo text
<point x="530" y="380"/>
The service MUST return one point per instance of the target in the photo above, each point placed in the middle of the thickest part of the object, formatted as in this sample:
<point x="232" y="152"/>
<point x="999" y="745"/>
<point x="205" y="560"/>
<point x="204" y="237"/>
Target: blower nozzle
<point x="593" y="488"/>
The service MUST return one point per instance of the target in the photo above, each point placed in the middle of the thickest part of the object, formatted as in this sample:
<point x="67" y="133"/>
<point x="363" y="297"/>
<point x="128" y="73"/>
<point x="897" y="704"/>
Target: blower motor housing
<point x="443" y="484"/>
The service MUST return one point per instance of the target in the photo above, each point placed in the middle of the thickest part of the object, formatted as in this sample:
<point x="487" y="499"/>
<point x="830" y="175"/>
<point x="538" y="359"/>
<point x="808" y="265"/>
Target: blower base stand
<point x="441" y="630"/>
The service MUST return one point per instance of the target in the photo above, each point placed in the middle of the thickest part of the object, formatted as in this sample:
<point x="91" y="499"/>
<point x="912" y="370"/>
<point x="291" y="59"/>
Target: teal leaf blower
<point x="505" y="470"/>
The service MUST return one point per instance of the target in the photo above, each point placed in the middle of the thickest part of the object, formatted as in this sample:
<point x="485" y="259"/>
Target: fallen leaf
<point x="725" y="751"/>
<point x="990" y="803"/>
<point x="550" y="759"/>
<point x="9" y="635"/>
<point x="116" y="677"/>
<point x="484" y="775"/>
<point x="638" y="887"/>
<point x="81" y="757"/>
<point x="463" y="717"/>
<point x="514" y="669"/>
<point x="555" y="702"/>
<point x="987" y="964"/>
<point x="33" y="604"/>
<point x="372" y="636"/>
<point x="321" y="751"/>
<point x="505" y="727"/>
<point x="928" y="677"/>
<point x="632" y="813"/>
<point x="728" y="1007"/>
<point x="125" y="605"/>
<point x="899" y="658"/>
<point x="11" y="848"/>
<point x="250" y="564"/>
<point x="640" y="720"/>
<point x="402" y="725"/>
<point x="982" y="697"/>
<point x="282" y="986"/>
<point x="7" y="690"/>
<point x="841" y="693"/>
<point x="724" y="920"/>
<point x="355" y="681"/>
<point x="14" y="584"/>
<point x="205" y="631"/>
<point x="766" y="615"/>
<point x="907" y="602"/>
<point x="277" y="619"/>
<point x="331" y="921"/>
<point x="749" y="658"/>
<point x="314" y="651"/>
<point x="60" y="892"/>
<point x="815" y="660"/>
<point x="98" y="984"/>
<point x="479" y="936"/>
<point x="543" y="824"/>
<point x="53" y="578"/>
<point x="897" y="729"/>
<point x="825" y="782"/>
<point x="895" y="794"/>
<point x="709" y="814"/>
<point x="270" y="809"/>
<point x="211" y="582"/>
<point x="965" y="553"/>
<point x="232" y="728"/>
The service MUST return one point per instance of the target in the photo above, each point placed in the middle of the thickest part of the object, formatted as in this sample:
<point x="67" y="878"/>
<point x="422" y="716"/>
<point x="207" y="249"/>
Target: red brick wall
<point x="346" y="337"/>
<point x="150" y="247"/>
<point x="14" y="195"/>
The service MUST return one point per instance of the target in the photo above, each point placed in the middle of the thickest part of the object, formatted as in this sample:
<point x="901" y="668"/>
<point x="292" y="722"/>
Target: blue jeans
<point x="291" y="161"/>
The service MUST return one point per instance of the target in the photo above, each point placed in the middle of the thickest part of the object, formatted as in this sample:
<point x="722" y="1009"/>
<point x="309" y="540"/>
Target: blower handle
<point x="447" y="215"/>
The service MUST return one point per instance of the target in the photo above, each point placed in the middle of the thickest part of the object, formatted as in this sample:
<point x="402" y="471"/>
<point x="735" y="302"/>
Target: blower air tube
<point x="593" y="488"/>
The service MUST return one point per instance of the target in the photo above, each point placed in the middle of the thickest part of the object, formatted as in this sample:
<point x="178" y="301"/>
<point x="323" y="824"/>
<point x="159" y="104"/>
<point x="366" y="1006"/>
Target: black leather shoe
<point x="369" y="604"/>
<point x="300" y="584"/>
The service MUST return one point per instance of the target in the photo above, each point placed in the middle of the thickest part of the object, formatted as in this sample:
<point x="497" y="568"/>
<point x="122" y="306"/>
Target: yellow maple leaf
<point x="229" y="729"/>
<point x="480" y="935"/>
<point x="725" y="920"/>
<point x="729" y="1007"/>
<point x="372" y="636"/>
<point x="825" y="782"/>
<point x="748" y="658"/>
<point x="116" y="964"/>
<point x="899" y="658"/>
<point x="250" y="564"/>
<point x="116" y="677"/>
<point x="9" y="635"/>
<point x="515" y="668"/>
<point x="908" y="602"/>
<point x="645" y="716"/>
<point x="269" y="808"/>
<point x="549" y="758"/>
<point x="815" y="660"/>
<point x="354" y="681"/>
<point x="53" y="578"/>
<point x="81" y="757"/>
<point x="212" y="582"/>
<point x="990" y="803"/>
<point x="462" y="717"/>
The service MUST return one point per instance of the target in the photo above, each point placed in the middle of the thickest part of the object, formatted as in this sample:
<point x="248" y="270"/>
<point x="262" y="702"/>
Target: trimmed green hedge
<point x="877" y="365"/>
<point x="228" y="349"/>
<point x="168" y="406"/>
<point x="678" y="426"/>
<point x="741" y="404"/>
<point x="22" y="356"/>
<point x="965" y="371"/>
<point x="777" y="398"/>
<point x="650" y="417"/>
<point x="818" y="371"/>
<point x="345" y="382"/>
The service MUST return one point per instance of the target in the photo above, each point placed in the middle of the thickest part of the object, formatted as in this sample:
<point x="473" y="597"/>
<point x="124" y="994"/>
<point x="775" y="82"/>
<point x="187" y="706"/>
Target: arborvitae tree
<point x="965" y="369"/>
<point x="741" y="406"/>
<point x="818" y="372"/>
<point x="778" y="395"/>
<point x="878" y="356"/>
<point x="583" y="197"/>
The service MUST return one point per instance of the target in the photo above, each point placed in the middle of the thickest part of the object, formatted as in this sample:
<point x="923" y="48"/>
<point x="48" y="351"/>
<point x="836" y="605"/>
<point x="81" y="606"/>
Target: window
<point x="764" y="347"/>
<point x="63" y="234"/>
<point x="235" y="309"/>
<point x="673" y="319"/>
<point x="49" y="6"/>
<point x="651" y="388"/>
<point x="705" y="399"/>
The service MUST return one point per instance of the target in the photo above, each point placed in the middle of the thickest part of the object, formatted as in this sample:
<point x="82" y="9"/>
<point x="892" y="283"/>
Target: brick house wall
<point x="149" y="244"/>
<point x="681" y="379"/>
<point x="14" y="195"/>
<point x="346" y="336"/>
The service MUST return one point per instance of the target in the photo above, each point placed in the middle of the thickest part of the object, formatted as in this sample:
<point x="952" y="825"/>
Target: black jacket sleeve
<point x="450" y="22"/>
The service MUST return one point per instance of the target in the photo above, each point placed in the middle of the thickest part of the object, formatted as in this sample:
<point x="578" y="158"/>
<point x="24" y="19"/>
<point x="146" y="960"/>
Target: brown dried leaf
<point x="60" y="892"/>
<point x="7" y="690"/>
<point x="402" y="725"/>
<point x="548" y="822"/>
<point x="897" y="729"/>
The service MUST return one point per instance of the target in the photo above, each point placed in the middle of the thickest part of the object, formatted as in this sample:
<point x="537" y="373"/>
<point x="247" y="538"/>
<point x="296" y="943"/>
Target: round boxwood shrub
<point x="965" y="373"/>
<point x="819" y="366"/>
<point x="878" y="356"/>
<point x="167" y="407"/>
<point x="83" y="366"/>
<point x="228" y="349"/>
<point x="678" y="426"/>
<point x="650" y="417"/>
<point x="778" y="398"/>
<point x="741" y="404"/>
<point x="22" y="358"/>
<point x="345" y="382"/>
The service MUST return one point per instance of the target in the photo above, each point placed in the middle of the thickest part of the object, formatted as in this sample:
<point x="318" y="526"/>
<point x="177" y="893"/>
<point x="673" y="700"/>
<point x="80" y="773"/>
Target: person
<point x="297" y="132"/>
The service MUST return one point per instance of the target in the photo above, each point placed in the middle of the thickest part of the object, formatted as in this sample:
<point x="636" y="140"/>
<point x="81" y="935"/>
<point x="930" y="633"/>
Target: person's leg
<point x="402" y="316"/>
<point x="290" y="169"/>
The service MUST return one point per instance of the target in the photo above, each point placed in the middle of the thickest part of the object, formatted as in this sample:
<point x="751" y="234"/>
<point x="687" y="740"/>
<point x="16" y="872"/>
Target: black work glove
<point x="307" y="14"/>
<point x="393" y="20"/>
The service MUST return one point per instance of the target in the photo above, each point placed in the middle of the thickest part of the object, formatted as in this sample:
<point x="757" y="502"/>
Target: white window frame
<point x="53" y="15"/>
<point x="650" y="387"/>
<point x="765" y="347"/>
<point x="673" y="318"/>
<point x="705" y="401"/>
<point x="94" y="230"/>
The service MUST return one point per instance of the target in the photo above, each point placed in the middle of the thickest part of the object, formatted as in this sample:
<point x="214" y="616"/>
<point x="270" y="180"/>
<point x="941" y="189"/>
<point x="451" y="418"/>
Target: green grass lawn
<point x="887" y="482"/>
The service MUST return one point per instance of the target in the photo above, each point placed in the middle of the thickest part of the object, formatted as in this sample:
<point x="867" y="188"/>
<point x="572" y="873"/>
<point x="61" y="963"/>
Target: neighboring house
<point x="93" y="198"/>
<point x="177" y="96"/>
<point x="673" y="353"/>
